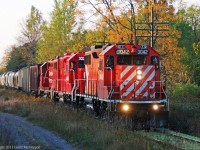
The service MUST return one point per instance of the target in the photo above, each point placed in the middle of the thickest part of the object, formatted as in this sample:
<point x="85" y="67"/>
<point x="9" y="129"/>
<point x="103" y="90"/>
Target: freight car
<point x="111" y="79"/>
<point x="27" y="79"/>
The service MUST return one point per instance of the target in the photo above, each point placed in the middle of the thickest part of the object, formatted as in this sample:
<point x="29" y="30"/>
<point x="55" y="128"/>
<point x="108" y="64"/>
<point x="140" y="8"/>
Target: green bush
<point x="185" y="91"/>
<point x="185" y="109"/>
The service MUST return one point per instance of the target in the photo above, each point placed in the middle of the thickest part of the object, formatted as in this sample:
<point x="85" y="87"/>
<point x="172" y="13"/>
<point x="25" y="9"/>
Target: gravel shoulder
<point x="25" y="135"/>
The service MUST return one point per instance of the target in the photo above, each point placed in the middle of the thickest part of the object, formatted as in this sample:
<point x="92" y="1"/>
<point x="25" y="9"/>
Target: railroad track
<point x="173" y="140"/>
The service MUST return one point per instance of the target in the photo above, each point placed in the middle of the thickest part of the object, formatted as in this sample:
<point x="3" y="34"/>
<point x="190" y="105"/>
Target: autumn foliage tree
<point x="168" y="47"/>
<point x="117" y="22"/>
<point x="115" y="19"/>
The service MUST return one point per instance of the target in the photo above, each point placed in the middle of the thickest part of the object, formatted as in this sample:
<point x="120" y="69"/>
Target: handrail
<point x="74" y="85"/>
<point x="166" y="98"/>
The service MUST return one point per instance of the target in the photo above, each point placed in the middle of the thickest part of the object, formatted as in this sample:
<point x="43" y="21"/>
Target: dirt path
<point x="25" y="135"/>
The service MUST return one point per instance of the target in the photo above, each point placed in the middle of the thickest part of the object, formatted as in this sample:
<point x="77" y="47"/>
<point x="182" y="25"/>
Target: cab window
<point x="55" y="65"/>
<point x="110" y="61"/>
<point x="67" y="68"/>
<point x="139" y="60"/>
<point x="124" y="60"/>
<point x="81" y="64"/>
<point x="73" y="65"/>
<point x="154" y="61"/>
<point x="87" y="59"/>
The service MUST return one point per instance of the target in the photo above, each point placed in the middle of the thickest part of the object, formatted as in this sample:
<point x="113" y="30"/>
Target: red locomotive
<point x="109" y="79"/>
<point x="58" y="76"/>
<point x="126" y="78"/>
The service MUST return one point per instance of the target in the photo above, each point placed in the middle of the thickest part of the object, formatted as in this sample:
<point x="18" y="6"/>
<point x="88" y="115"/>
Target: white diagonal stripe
<point x="151" y="76"/>
<point x="145" y="94"/>
<point x="152" y="95"/>
<point x="141" y="88"/>
<point x="133" y="74"/>
<point x="125" y="82"/>
<point x="146" y="71"/>
<point x="129" y="90"/>
<point x="125" y="71"/>
<point x="145" y="82"/>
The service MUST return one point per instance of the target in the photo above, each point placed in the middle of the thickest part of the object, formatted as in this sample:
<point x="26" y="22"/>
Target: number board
<point x="123" y="52"/>
<point x="143" y="47"/>
<point x="80" y="58"/>
<point x="121" y="46"/>
<point x="142" y="52"/>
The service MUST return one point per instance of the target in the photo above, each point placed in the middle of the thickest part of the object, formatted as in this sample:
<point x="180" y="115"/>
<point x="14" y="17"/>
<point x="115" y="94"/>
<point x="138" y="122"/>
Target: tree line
<point x="76" y="25"/>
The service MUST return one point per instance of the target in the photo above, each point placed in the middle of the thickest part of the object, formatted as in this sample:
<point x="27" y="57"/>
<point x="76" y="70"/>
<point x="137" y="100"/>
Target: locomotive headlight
<point x="125" y="107"/>
<point x="139" y="77"/>
<point x="155" y="107"/>
<point x="139" y="72"/>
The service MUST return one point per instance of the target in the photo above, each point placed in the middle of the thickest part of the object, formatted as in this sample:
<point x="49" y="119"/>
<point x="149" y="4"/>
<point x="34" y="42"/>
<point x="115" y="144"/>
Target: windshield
<point x="124" y="60"/>
<point x="131" y="60"/>
<point x="139" y="60"/>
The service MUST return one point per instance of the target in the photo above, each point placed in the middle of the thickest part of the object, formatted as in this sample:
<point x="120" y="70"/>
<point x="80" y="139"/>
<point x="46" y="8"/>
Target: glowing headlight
<point x="155" y="107"/>
<point x="139" y="77"/>
<point x="139" y="72"/>
<point x="125" y="107"/>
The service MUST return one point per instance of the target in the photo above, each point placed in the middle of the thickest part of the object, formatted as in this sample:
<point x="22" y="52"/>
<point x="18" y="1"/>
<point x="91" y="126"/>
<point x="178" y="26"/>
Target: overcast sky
<point x="13" y="12"/>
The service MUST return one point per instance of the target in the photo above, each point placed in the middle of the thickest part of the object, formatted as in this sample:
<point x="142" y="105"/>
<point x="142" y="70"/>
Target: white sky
<point x="13" y="12"/>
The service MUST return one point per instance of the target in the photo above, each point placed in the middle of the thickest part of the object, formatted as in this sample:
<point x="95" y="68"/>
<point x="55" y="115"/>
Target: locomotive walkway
<point x="24" y="135"/>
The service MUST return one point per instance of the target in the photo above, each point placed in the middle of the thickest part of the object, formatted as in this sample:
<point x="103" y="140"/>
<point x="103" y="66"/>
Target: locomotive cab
<point x="74" y="73"/>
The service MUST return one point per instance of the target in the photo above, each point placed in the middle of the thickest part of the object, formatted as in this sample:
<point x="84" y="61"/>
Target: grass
<point x="82" y="130"/>
<point x="185" y="109"/>
<point x="5" y="139"/>
<point x="184" y="116"/>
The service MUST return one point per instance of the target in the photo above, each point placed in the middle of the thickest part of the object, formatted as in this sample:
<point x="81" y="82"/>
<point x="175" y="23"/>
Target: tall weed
<point x="185" y="109"/>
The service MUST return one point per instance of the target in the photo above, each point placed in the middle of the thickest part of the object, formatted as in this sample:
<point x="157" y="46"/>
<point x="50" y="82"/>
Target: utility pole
<point x="151" y="31"/>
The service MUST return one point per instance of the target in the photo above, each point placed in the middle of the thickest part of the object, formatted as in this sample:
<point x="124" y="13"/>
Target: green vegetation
<point x="4" y="139"/>
<point x="185" y="109"/>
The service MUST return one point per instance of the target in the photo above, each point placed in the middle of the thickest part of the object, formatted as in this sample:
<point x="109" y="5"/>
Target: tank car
<point x="15" y="80"/>
<point x="11" y="79"/>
